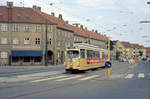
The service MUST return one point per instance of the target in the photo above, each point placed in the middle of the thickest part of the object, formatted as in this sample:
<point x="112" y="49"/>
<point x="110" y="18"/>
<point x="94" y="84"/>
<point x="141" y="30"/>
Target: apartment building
<point x="148" y="53"/>
<point x="126" y="50"/>
<point x="22" y="36"/>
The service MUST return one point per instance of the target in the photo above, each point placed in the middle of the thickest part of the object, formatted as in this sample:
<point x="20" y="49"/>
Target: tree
<point x="118" y="53"/>
<point x="140" y="53"/>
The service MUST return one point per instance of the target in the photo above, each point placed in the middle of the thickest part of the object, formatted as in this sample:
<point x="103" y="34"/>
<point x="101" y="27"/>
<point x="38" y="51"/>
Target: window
<point x="58" y="43"/>
<point x="15" y="41"/>
<point x="4" y="55"/>
<point x="50" y="41"/>
<point x="37" y="41"/>
<point x="15" y="27"/>
<point x="50" y="29"/>
<point x="38" y="28"/>
<point x="4" y="27"/>
<point x="82" y="53"/>
<point x="26" y="59"/>
<point x="27" y="40"/>
<point x="3" y="40"/>
<point x="27" y="28"/>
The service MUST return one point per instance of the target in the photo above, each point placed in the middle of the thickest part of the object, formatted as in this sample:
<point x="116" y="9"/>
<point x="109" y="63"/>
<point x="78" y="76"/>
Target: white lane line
<point x="69" y="78"/>
<point x="141" y="75"/>
<point x="40" y="74"/>
<point x="129" y="76"/>
<point x="52" y="78"/>
<point x="90" y="77"/>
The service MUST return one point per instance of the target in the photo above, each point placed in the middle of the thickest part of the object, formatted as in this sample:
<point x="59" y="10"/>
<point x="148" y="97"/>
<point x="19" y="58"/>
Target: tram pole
<point x="108" y="69"/>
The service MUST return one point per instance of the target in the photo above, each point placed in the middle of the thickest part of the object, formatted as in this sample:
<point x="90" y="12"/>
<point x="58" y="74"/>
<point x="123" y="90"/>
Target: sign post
<point x="108" y="63"/>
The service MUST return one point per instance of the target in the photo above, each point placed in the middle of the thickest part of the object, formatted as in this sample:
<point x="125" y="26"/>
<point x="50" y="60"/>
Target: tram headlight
<point x="78" y="64"/>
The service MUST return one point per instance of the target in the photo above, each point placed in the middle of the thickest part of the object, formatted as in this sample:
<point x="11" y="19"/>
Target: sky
<point x="118" y="19"/>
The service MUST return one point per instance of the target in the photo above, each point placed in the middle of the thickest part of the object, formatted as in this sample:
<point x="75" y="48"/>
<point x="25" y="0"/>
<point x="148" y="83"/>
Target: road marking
<point x="90" y="77"/>
<point x="129" y="76"/>
<point x="48" y="79"/>
<point x="69" y="78"/>
<point x="40" y="74"/>
<point x="149" y="74"/>
<point x="141" y="75"/>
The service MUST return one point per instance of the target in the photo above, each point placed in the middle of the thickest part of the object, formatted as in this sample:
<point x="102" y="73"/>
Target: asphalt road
<point x="126" y="83"/>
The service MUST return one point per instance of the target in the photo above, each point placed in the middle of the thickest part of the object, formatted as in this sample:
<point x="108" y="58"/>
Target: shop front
<point x="26" y="57"/>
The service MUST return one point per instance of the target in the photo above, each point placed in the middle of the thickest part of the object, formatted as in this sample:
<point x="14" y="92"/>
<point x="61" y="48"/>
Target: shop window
<point x="26" y="59"/>
<point x="37" y="59"/>
<point x="15" y="59"/>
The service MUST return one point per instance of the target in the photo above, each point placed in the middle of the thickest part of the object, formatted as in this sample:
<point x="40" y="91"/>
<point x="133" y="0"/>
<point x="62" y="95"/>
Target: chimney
<point x="9" y="4"/>
<point x="92" y="30"/>
<point x="39" y="8"/>
<point x="85" y="28"/>
<point x="66" y="22"/>
<point x="60" y="16"/>
<point x="52" y="13"/>
<point x="34" y="7"/>
<point x="76" y="24"/>
<point x="96" y="31"/>
<point x="81" y="26"/>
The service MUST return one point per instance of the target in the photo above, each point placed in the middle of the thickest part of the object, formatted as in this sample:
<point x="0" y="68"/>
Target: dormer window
<point x="27" y="17"/>
<point x="1" y="15"/>
<point x="19" y="16"/>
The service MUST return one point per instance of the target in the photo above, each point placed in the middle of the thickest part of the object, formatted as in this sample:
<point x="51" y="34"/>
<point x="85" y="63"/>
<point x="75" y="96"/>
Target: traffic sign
<point x="108" y="64"/>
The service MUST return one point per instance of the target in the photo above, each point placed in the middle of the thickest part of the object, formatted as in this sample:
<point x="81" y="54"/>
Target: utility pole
<point x="46" y="43"/>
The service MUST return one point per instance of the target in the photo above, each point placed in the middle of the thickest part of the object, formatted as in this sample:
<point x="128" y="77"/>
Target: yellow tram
<point x="83" y="56"/>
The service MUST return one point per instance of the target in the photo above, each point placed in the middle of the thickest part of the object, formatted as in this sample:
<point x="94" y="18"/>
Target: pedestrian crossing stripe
<point x="52" y="78"/>
<point x="70" y="78"/>
<point x="90" y="77"/>
<point x="141" y="75"/>
<point x="129" y="76"/>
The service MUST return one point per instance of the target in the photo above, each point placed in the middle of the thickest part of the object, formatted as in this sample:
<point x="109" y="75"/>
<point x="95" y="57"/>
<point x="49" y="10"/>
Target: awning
<point x="26" y="53"/>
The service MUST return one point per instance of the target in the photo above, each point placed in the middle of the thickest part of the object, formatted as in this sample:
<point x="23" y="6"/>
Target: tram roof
<point x="86" y="46"/>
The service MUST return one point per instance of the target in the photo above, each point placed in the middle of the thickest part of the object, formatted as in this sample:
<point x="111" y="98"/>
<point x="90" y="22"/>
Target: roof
<point x="21" y="15"/>
<point x="88" y="34"/>
<point x="126" y="44"/>
<point x="147" y="49"/>
<point x="60" y="23"/>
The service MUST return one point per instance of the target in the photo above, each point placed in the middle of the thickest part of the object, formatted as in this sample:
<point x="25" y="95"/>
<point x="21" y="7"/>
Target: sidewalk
<point x="11" y="67"/>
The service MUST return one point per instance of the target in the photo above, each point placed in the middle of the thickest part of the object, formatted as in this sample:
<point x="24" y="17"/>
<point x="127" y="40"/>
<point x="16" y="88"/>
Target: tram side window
<point x="103" y="55"/>
<point x="82" y="53"/>
<point x="89" y="54"/>
<point x="97" y="54"/>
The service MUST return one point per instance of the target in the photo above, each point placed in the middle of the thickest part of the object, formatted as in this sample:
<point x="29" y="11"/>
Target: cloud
<point x="100" y="17"/>
<point x="95" y="3"/>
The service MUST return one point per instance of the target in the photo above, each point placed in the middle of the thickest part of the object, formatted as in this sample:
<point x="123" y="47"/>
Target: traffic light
<point x="111" y="45"/>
